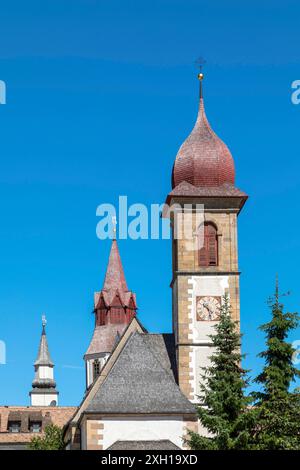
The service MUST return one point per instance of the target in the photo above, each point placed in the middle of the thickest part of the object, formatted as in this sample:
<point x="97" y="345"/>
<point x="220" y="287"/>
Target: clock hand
<point x="208" y="309"/>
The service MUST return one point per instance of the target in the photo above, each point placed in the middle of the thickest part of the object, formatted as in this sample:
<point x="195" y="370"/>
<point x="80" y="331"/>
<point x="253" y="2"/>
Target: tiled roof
<point x="141" y="380"/>
<point x="203" y="159"/>
<point x="104" y="338"/>
<point x="114" y="282"/>
<point x="59" y="416"/>
<point x="114" y="295"/>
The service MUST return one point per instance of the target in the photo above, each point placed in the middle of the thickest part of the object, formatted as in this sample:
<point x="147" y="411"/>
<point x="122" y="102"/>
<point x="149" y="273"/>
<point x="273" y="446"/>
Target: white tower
<point x="43" y="391"/>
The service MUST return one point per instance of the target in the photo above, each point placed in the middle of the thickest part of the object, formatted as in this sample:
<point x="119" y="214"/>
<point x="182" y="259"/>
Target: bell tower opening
<point x="208" y="252"/>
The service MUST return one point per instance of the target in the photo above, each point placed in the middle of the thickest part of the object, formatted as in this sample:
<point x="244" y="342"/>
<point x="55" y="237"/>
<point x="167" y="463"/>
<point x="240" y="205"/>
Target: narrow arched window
<point x="208" y="251"/>
<point x="96" y="368"/>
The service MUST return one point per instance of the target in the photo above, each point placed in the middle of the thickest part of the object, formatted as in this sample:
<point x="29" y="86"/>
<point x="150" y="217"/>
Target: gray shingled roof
<point x="187" y="189"/>
<point x="43" y="357"/>
<point x="142" y="380"/>
<point x="144" y="445"/>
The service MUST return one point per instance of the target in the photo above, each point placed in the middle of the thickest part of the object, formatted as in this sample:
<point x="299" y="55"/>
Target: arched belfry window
<point x="208" y="250"/>
<point x="96" y="368"/>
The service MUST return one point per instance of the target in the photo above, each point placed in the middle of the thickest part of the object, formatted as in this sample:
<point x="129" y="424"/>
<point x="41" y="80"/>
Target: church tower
<point x="205" y="264"/>
<point x="114" y="307"/>
<point x="43" y="391"/>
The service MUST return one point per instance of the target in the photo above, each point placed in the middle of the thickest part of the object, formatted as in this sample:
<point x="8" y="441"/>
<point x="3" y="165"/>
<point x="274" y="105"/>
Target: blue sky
<point x="100" y="95"/>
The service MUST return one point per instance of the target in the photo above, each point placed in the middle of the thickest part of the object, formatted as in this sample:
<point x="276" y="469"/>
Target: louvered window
<point x="96" y="368"/>
<point x="208" y="252"/>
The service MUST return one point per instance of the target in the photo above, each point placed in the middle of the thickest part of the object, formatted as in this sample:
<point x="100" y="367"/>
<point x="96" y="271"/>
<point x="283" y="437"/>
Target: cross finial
<point x="200" y="62"/>
<point x="114" y="222"/>
<point x="44" y="321"/>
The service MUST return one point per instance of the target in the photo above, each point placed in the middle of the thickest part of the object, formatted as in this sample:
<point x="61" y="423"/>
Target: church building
<point x="142" y="388"/>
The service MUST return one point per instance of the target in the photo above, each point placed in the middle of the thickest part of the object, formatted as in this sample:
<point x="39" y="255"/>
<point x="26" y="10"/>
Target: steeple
<point x="43" y="391"/>
<point x="114" y="281"/>
<point x="205" y="267"/>
<point x="43" y="357"/>
<point x="203" y="159"/>
<point x="114" y="307"/>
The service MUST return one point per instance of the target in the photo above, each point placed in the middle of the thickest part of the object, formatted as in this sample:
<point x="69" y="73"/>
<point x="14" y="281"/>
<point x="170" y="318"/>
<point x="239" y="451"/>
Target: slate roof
<point x="43" y="357"/>
<point x="225" y="190"/>
<point x="142" y="380"/>
<point x="144" y="445"/>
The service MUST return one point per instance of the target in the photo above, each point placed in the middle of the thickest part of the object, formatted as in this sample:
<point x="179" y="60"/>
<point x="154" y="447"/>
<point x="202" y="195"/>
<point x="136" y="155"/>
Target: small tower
<point x="43" y="391"/>
<point x="115" y="306"/>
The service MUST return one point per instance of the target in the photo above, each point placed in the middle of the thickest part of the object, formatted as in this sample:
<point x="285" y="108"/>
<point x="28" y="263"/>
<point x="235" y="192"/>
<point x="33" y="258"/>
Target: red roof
<point x="203" y="159"/>
<point x="115" y="306"/>
<point x="115" y="282"/>
<point x="105" y="337"/>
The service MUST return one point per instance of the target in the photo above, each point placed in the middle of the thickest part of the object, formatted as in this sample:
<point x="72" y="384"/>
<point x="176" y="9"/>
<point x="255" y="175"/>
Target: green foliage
<point x="277" y="409"/>
<point x="223" y="406"/>
<point x="51" y="440"/>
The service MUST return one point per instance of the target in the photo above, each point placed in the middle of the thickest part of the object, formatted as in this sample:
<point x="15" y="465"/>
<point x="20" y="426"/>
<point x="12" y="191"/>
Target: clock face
<point x="208" y="308"/>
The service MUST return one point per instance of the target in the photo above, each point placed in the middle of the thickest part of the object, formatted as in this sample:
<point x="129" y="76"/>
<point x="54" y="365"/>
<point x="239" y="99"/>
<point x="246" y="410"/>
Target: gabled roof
<point x="140" y="381"/>
<point x="133" y="326"/>
<point x="43" y="357"/>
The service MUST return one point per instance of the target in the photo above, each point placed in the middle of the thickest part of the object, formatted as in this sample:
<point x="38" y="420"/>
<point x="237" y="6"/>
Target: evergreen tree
<point x="277" y="409"/>
<point x="51" y="440"/>
<point x="223" y="407"/>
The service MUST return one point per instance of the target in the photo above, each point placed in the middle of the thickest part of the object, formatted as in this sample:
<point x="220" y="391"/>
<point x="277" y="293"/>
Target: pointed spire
<point x="43" y="357"/>
<point x="115" y="277"/>
<point x="43" y="391"/>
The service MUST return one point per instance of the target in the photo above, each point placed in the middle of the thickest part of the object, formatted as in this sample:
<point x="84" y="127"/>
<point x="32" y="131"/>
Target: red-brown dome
<point x="203" y="159"/>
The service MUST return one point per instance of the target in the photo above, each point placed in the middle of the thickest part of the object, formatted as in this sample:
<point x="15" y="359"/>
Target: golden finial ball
<point x="200" y="76"/>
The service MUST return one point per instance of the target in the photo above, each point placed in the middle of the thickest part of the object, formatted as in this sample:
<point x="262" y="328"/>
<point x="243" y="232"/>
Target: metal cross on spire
<point x="44" y="321"/>
<point x="114" y="223"/>
<point x="200" y="62"/>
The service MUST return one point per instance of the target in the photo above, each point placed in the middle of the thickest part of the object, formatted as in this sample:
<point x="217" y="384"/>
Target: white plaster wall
<point x="45" y="372"/>
<point x="142" y="429"/>
<point x="199" y="356"/>
<point x="200" y="286"/>
<point x="90" y="368"/>
<point x="43" y="400"/>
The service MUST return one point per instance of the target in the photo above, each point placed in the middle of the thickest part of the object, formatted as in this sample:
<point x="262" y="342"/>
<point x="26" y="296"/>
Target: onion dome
<point x="203" y="159"/>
